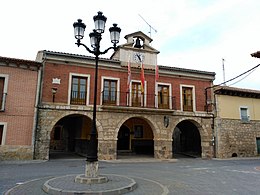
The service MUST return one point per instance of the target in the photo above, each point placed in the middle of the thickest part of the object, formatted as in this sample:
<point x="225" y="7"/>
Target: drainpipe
<point x="35" y="118"/>
<point x="36" y="107"/>
<point x="213" y="119"/>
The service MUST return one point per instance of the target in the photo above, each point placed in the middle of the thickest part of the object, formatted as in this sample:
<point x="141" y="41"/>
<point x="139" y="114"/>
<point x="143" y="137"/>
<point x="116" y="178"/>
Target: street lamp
<point x="95" y="38"/>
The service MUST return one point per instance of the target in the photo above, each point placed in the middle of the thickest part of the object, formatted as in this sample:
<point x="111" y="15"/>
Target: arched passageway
<point x="135" y="137"/>
<point x="186" y="140"/>
<point x="70" y="136"/>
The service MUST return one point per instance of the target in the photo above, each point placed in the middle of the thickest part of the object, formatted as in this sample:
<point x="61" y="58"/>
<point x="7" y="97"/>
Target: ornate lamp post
<point x="95" y="38"/>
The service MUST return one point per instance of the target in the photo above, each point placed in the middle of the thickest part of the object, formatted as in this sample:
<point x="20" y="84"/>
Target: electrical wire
<point x="238" y="76"/>
<point x="242" y="78"/>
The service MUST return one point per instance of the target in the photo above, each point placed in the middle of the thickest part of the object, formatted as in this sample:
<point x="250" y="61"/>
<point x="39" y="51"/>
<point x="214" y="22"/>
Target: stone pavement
<point x="116" y="183"/>
<point x="184" y="176"/>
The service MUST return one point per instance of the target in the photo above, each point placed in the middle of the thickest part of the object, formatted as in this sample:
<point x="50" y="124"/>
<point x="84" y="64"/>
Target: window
<point x="138" y="131"/>
<point x="3" y="90"/>
<point x="1" y="133"/>
<point x="3" y="127"/>
<point x="163" y="96"/>
<point x="137" y="97"/>
<point x="109" y="92"/>
<point x="187" y="99"/>
<point x="2" y="82"/>
<point x="78" y="90"/>
<point x="244" y="114"/>
<point x="258" y="145"/>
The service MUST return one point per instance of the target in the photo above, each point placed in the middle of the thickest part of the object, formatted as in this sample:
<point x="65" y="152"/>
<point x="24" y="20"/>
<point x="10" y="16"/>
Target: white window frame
<point x="130" y="92"/>
<point x="4" y="132"/>
<point x="170" y="93"/>
<point x="6" y="78"/>
<point x="247" y="110"/>
<point x="88" y="85"/>
<point x="118" y="88"/>
<point x="193" y="96"/>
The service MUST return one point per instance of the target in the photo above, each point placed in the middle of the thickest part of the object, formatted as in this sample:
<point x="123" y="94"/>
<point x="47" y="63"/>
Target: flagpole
<point x="155" y="83"/>
<point x="128" y="81"/>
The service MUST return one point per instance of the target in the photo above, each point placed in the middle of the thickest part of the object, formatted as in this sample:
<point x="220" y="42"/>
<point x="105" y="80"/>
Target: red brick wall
<point x="62" y="72"/>
<point x="19" y="107"/>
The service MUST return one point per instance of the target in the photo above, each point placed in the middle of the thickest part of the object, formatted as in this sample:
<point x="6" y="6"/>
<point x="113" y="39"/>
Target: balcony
<point x="137" y="100"/>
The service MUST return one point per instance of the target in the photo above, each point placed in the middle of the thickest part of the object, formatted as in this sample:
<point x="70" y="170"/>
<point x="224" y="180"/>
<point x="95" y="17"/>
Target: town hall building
<point x="166" y="116"/>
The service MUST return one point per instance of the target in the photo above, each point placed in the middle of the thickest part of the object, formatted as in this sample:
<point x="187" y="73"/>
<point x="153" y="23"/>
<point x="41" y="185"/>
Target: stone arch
<point x="68" y="113"/>
<point x="45" y="126"/>
<point x="195" y="121"/>
<point x="144" y="145"/>
<point x="204" y="134"/>
<point x="151" y="122"/>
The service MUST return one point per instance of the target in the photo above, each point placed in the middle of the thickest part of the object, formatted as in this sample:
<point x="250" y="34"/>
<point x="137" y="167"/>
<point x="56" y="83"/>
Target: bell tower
<point x="138" y="50"/>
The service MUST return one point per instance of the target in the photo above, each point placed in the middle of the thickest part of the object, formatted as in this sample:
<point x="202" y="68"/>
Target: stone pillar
<point x="42" y="149"/>
<point x="206" y="149"/>
<point x="163" y="149"/>
<point x="107" y="149"/>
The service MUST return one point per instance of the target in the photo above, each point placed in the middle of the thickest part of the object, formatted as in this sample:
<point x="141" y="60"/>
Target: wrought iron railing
<point x="78" y="98"/>
<point x="188" y="105"/>
<point x="132" y="99"/>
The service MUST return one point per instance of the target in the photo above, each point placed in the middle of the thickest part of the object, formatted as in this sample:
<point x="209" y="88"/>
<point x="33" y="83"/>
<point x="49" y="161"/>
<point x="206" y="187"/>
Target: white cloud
<point x="32" y="25"/>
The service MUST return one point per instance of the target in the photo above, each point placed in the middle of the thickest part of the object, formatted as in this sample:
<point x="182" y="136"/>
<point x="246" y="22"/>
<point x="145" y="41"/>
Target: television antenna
<point x="151" y="28"/>
<point x="223" y="69"/>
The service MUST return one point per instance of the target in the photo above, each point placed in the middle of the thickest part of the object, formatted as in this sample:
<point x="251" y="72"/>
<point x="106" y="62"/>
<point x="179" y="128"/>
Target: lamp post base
<point x="91" y="170"/>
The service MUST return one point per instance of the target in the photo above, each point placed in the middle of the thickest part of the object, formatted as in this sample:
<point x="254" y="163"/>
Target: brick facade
<point x="18" y="115"/>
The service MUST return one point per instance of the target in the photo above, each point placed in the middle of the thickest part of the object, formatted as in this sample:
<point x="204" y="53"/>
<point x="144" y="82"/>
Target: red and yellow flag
<point x="142" y="78"/>
<point x="129" y="76"/>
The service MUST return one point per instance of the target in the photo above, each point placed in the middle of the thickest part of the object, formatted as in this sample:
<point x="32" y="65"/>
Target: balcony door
<point x="110" y="92"/>
<point x="136" y="95"/>
<point x="78" y="90"/>
<point x="187" y="99"/>
<point x="163" y="96"/>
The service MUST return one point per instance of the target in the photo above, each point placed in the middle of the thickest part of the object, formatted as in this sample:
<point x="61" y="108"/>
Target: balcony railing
<point x="138" y="100"/>
<point x="188" y="105"/>
<point x="78" y="98"/>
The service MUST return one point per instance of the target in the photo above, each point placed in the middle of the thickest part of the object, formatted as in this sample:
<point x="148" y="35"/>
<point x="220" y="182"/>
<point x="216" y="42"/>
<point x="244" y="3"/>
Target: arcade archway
<point x="70" y="136"/>
<point x="186" y="140"/>
<point x="135" y="137"/>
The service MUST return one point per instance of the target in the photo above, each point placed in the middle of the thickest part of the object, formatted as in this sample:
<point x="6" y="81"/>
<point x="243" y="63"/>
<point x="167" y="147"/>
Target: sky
<point x="193" y="34"/>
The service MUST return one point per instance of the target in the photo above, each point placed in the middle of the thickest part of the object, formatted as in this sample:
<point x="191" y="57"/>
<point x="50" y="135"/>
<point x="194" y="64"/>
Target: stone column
<point x="163" y="149"/>
<point x="107" y="149"/>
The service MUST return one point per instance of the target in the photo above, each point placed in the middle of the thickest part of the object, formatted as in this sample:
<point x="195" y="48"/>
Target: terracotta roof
<point x="19" y="62"/>
<point x="169" y="68"/>
<point x="70" y="55"/>
<point x="233" y="91"/>
<point x="256" y="54"/>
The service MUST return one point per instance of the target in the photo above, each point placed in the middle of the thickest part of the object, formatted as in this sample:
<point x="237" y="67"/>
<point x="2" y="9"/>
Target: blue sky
<point x="194" y="34"/>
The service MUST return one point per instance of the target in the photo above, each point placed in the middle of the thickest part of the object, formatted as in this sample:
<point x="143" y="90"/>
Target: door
<point x="123" y="142"/>
<point x="258" y="145"/>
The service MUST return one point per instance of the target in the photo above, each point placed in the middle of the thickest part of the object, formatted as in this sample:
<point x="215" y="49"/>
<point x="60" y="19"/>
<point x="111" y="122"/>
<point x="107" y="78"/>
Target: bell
<point x="138" y="43"/>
